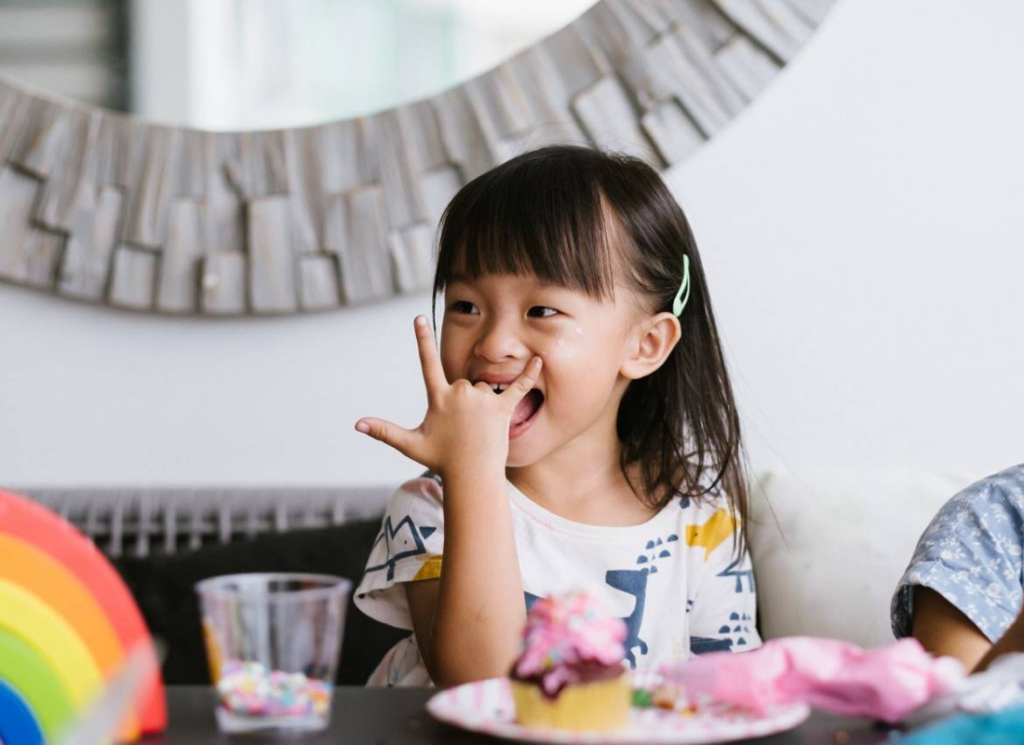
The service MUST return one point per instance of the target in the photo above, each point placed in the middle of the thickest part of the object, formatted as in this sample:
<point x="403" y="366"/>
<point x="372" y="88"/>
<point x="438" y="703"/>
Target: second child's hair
<point x="580" y="218"/>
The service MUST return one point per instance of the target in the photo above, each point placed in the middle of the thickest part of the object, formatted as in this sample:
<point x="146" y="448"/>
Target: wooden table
<point x="377" y="716"/>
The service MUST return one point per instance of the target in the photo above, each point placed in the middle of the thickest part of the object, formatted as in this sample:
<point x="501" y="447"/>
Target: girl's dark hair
<point x="574" y="217"/>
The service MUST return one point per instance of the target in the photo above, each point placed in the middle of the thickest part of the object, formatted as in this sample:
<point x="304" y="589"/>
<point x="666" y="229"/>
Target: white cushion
<point x="829" y="546"/>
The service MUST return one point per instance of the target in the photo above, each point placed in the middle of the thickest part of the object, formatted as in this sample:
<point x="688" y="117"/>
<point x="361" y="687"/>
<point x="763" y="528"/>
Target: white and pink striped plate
<point x="486" y="707"/>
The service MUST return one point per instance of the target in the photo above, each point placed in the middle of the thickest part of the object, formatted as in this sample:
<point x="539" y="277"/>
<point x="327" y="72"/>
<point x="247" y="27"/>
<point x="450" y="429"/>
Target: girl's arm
<point x="467" y="623"/>
<point x="944" y="631"/>
<point x="1011" y="641"/>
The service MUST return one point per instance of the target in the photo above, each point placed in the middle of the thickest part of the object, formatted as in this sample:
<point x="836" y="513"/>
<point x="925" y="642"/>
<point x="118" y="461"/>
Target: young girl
<point x="580" y="430"/>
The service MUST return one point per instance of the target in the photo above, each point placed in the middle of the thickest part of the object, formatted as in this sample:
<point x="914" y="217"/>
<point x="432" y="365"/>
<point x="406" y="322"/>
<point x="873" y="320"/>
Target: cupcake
<point x="569" y="674"/>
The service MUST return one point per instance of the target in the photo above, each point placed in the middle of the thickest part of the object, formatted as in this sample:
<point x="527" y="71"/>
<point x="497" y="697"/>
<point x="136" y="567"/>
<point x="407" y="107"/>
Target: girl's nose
<point x="499" y="341"/>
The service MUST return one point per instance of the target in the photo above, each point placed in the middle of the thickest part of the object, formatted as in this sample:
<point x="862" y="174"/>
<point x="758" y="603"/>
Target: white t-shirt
<point x="676" y="580"/>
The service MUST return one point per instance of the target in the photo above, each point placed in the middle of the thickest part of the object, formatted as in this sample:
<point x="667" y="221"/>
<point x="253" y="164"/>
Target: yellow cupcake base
<point x="602" y="706"/>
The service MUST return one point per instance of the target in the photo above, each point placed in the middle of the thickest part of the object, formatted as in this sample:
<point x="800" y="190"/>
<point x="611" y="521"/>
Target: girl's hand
<point x="466" y="424"/>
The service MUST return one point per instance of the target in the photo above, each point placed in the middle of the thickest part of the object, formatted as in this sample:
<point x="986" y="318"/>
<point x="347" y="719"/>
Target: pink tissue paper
<point x="885" y="683"/>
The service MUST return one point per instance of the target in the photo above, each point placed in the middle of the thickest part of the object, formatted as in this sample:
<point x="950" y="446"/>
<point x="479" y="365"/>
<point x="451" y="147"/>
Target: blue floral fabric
<point x="971" y="554"/>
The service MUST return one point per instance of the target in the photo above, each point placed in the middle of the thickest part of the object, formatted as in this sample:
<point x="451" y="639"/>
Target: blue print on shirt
<point x="739" y="574"/>
<point x="738" y="626"/>
<point x="530" y="600"/>
<point x="705" y="644"/>
<point x="634" y="582"/>
<point x="735" y="633"/>
<point x="402" y="541"/>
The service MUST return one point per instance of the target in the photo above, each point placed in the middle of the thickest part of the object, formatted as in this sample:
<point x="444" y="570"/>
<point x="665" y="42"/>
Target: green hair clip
<point x="683" y="296"/>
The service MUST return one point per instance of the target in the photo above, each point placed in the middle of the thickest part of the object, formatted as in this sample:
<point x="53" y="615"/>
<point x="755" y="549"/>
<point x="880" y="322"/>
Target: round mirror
<point x="296" y="155"/>
<point x="261" y="64"/>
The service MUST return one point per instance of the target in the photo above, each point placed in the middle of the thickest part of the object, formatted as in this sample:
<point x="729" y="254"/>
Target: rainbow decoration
<point x="67" y="623"/>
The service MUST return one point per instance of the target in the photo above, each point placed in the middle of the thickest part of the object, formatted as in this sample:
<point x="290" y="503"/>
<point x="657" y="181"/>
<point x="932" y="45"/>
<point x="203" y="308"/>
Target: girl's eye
<point x="541" y="311"/>
<point x="464" y="306"/>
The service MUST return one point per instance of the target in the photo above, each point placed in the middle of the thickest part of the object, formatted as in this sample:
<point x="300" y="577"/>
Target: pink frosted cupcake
<point x="570" y="673"/>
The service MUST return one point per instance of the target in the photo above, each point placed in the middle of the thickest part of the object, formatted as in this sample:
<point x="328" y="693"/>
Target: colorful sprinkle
<point x="247" y="688"/>
<point x="642" y="698"/>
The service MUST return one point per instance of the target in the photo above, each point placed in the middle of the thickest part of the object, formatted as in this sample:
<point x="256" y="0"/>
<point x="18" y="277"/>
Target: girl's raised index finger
<point x="430" y="360"/>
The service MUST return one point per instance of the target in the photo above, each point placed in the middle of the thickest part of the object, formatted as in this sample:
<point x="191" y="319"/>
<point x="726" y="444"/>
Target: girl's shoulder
<point x="702" y="524"/>
<point x="702" y="506"/>
<point x="708" y="513"/>
<point x="1004" y="489"/>
<point x="708" y="529"/>
<point x="709" y="502"/>
<point x="996" y="500"/>
<point x="426" y="487"/>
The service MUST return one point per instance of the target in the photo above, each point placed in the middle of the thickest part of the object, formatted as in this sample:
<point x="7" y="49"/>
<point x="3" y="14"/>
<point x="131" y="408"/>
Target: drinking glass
<point x="272" y="641"/>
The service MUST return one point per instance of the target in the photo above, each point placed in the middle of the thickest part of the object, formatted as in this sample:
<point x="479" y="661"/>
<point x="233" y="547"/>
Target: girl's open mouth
<point x="525" y="412"/>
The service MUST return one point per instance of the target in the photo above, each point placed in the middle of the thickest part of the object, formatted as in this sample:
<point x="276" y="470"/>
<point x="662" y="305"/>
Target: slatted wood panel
<point x="177" y="291"/>
<point x="134" y="277"/>
<point x="103" y="207"/>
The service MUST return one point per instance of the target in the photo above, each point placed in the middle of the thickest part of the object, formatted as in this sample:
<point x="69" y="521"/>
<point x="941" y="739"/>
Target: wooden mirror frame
<point x="104" y="207"/>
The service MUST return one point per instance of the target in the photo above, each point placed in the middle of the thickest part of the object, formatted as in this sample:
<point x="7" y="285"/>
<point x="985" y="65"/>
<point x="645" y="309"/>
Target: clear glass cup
<point x="272" y="641"/>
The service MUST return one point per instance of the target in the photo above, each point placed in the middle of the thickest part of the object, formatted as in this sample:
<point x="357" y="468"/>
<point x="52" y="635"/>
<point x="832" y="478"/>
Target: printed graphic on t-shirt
<point x="401" y="541"/>
<point x="676" y="581"/>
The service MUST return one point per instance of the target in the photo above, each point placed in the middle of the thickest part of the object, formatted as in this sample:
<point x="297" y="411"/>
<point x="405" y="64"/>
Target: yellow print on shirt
<point x="711" y="534"/>
<point x="429" y="569"/>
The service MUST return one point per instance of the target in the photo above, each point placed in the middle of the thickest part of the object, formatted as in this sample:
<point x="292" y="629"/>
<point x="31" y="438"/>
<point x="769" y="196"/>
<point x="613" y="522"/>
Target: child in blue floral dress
<point x="961" y="595"/>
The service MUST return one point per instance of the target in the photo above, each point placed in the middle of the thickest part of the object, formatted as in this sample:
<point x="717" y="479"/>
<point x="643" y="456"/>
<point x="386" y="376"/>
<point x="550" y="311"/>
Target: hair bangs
<point x="543" y="218"/>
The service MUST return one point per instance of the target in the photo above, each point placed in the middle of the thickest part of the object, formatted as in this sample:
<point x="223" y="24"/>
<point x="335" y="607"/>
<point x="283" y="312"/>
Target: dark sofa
<point x="163" y="541"/>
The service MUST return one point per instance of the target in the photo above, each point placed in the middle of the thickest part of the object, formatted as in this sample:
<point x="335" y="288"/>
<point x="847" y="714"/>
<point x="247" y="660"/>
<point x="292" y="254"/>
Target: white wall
<point x="861" y="225"/>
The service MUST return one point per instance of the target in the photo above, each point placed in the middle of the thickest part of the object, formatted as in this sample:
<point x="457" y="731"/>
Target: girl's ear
<point x="657" y="337"/>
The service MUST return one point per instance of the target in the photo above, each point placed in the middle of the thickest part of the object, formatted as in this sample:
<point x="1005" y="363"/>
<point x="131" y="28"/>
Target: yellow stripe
<point x="430" y="569"/>
<point x="23" y="614"/>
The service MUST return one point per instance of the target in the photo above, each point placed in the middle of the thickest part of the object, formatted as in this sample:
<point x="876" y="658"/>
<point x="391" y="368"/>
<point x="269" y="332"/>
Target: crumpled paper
<point x="887" y="683"/>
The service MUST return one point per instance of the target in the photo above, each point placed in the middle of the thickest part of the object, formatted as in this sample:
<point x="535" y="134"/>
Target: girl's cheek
<point x="566" y="349"/>
<point x="563" y="347"/>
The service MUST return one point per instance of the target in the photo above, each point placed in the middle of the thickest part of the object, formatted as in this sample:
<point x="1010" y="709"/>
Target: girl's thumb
<point x="391" y="434"/>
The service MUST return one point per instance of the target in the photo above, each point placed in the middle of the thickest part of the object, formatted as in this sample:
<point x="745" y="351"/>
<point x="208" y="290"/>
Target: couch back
<point x="829" y="545"/>
<point x="143" y="521"/>
<point x="163" y="541"/>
